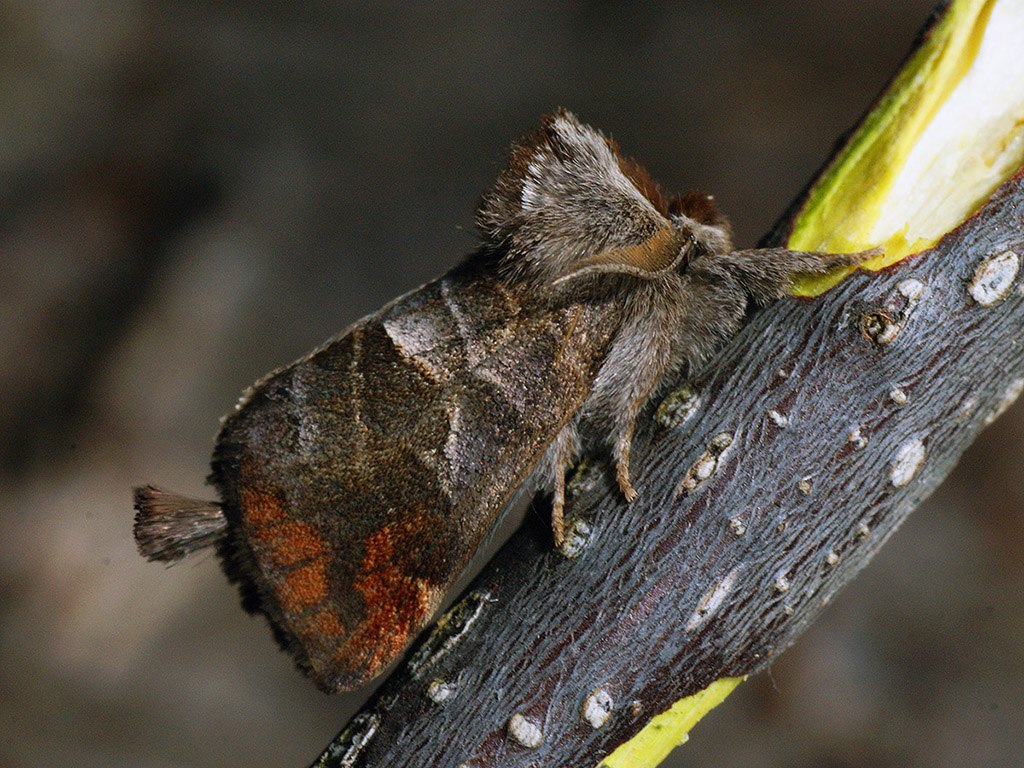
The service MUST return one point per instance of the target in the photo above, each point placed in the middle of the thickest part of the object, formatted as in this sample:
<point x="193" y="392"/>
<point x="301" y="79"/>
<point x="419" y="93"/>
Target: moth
<point x="356" y="483"/>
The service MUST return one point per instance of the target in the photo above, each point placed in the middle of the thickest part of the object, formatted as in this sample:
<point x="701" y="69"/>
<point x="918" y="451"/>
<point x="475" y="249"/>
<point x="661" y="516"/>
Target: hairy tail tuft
<point x="169" y="527"/>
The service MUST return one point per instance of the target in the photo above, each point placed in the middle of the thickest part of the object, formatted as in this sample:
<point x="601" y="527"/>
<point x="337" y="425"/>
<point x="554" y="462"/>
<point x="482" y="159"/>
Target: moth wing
<point x="359" y="481"/>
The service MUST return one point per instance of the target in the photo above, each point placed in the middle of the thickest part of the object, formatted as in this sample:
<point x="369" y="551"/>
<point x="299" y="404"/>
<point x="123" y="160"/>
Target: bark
<point x="824" y="424"/>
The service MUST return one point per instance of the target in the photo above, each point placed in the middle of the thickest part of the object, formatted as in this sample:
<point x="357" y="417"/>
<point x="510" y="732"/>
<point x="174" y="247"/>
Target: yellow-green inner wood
<point x="859" y="201"/>
<point x="670" y="728"/>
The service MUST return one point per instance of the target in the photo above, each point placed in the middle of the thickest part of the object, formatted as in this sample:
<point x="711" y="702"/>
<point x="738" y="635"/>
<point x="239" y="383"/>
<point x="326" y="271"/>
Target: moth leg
<point x="625" y="418"/>
<point x="765" y="274"/>
<point x="630" y="374"/>
<point x="625" y="424"/>
<point x="622" y="470"/>
<point x="556" y="461"/>
<point x="558" y="508"/>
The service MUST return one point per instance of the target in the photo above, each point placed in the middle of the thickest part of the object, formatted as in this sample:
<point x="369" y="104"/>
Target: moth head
<point x="570" y="204"/>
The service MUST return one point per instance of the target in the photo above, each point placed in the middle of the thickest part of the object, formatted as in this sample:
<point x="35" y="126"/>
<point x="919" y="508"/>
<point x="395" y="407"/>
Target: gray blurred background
<point x="192" y="194"/>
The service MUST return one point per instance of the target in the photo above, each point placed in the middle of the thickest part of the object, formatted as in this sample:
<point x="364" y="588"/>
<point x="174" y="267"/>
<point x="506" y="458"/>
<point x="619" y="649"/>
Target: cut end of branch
<point x="946" y="134"/>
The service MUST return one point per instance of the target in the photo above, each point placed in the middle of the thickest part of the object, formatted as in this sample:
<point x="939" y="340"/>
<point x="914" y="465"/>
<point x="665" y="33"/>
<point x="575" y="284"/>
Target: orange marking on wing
<point x="396" y="603"/>
<point x="263" y="509"/>
<point x="324" y="624"/>
<point x="303" y="587"/>
<point x="294" y="542"/>
<point x="281" y="544"/>
<point x="285" y="541"/>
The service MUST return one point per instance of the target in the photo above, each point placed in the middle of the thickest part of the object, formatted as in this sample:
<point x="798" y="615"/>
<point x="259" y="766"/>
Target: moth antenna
<point x="169" y="527"/>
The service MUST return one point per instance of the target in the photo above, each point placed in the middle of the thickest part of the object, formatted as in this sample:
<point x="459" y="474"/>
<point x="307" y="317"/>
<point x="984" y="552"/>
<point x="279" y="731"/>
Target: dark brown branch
<point x="831" y="420"/>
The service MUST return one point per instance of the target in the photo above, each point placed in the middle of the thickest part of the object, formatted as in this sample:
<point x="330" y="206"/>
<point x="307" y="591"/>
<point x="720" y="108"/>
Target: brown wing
<point x="359" y="481"/>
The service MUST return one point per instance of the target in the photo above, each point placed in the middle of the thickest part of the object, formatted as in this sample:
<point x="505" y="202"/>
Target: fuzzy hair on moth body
<point x="356" y="483"/>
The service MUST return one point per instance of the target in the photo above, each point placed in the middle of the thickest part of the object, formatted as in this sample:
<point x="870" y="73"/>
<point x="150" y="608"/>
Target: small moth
<point x="356" y="483"/>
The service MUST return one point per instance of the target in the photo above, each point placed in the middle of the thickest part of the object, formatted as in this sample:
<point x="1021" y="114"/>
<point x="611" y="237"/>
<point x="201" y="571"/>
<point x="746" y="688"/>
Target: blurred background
<point x="192" y="194"/>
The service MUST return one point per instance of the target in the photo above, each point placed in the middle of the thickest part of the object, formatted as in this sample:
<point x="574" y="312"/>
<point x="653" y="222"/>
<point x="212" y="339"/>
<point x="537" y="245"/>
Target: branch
<point x="763" y="489"/>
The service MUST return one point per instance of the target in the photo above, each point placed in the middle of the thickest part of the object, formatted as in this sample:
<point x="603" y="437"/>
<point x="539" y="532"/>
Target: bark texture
<point x="763" y="489"/>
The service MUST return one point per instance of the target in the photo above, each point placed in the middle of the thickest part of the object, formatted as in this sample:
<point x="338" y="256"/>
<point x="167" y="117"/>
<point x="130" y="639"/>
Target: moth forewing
<point x="363" y="478"/>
